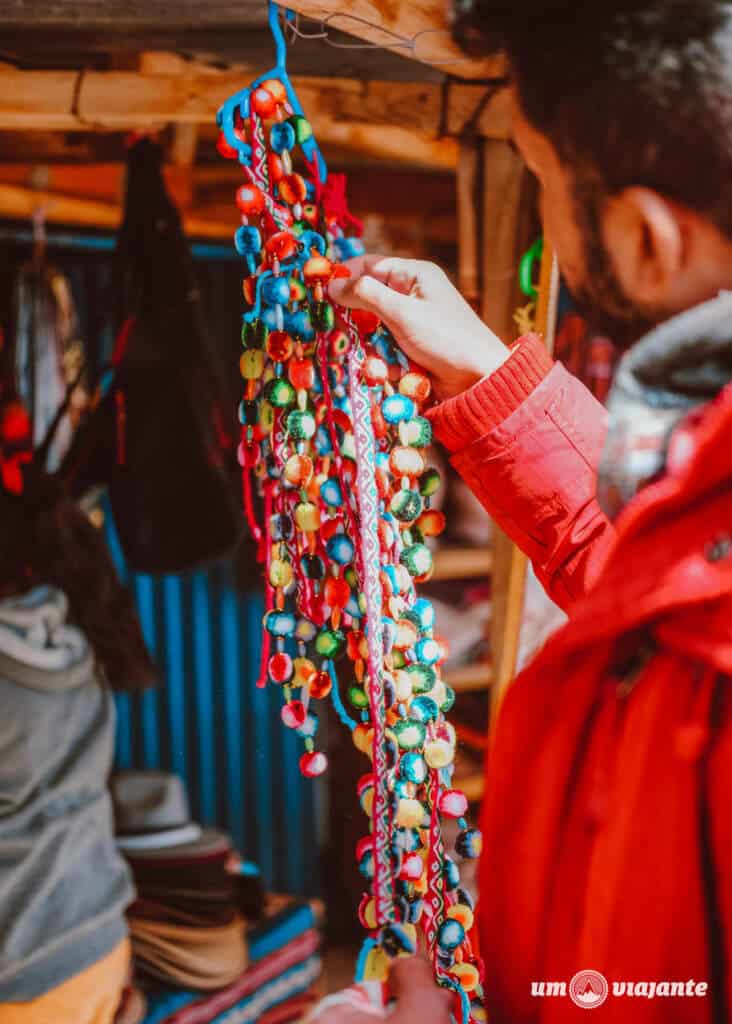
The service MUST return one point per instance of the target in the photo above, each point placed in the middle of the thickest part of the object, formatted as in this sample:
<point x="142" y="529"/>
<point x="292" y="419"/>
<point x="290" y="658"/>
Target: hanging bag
<point x="160" y="436"/>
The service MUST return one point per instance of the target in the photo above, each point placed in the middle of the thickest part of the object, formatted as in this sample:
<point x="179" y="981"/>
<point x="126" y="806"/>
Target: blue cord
<point x="337" y="702"/>
<point x="368" y="945"/>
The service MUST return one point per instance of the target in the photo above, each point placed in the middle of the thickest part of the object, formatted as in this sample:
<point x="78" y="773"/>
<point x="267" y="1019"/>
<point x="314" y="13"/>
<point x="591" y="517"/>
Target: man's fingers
<point x="379" y="298"/>
<point x="412" y="982"/>
<point x="409" y="974"/>
<point x="403" y="276"/>
<point x="371" y="295"/>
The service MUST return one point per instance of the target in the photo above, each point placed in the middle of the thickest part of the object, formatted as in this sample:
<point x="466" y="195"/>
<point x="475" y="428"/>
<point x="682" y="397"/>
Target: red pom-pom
<point x="320" y="685"/>
<point x="453" y="803"/>
<point x="293" y="189"/>
<point x="313" y="764"/>
<point x="250" y="200"/>
<point x="225" y="150"/>
<point x="280" y="667"/>
<point x="336" y="592"/>
<point x="277" y="89"/>
<point x="16" y="425"/>
<point x="412" y="868"/>
<point x="263" y="102"/>
<point x="363" y="846"/>
<point x="293" y="714"/>
<point x="365" y="321"/>
<point x="281" y="245"/>
<point x="274" y="165"/>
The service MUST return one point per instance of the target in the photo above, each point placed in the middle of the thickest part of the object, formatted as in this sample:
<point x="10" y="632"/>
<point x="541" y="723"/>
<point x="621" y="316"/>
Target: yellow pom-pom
<point x="420" y="886"/>
<point x="410" y="814"/>
<point x="438" y="753"/>
<point x="362" y="736"/>
<point x="376" y="967"/>
<point x="403" y="683"/>
<point x="280" y="573"/>
<point x="305" y="670"/>
<point x="467" y="975"/>
<point x="369" y="914"/>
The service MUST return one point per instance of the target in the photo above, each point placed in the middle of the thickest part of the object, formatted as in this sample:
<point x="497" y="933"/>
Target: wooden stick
<point x="468" y="233"/>
<point x="508" y="215"/>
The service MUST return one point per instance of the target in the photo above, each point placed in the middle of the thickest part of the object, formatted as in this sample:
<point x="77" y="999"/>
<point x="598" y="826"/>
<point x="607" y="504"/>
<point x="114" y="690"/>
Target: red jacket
<point x="607" y="818"/>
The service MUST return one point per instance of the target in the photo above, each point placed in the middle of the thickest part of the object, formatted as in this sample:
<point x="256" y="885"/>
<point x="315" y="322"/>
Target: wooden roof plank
<point x="418" y="29"/>
<point x="119" y="100"/>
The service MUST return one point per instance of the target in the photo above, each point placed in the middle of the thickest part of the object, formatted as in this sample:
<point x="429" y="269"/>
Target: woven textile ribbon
<point x="434" y="906"/>
<point x="368" y="502"/>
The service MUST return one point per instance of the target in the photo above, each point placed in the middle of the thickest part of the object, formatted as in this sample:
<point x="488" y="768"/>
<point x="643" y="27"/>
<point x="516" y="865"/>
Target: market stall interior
<point x="122" y="338"/>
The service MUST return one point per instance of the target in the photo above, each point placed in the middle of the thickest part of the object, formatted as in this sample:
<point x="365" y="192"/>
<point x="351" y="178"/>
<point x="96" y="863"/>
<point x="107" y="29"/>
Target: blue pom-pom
<point x="450" y="935"/>
<point x="282" y="137"/>
<point x="247" y="240"/>
<point x="280" y="624"/>
<point x="340" y="549"/>
<point x="397" y="408"/>
<point x="276" y="291"/>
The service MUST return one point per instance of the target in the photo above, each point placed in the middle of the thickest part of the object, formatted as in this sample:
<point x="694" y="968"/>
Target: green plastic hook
<point x="526" y="268"/>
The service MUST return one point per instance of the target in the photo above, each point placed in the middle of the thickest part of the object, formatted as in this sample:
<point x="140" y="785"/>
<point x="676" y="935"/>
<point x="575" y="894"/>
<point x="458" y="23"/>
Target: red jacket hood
<point x="673" y="551"/>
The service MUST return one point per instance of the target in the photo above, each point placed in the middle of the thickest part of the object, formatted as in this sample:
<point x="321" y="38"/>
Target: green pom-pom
<point x="429" y="483"/>
<point x="418" y="559"/>
<point x="330" y="643"/>
<point x="301" y="425"/>
<point x="280" y="393"/>
<point x="410" y="734"/>
<point x="303" y="128"/>
<point x="357" y="696"/>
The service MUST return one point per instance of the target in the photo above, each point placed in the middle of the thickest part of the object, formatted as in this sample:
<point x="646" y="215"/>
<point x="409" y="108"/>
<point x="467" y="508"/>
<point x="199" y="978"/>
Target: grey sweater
<point x="63" y="885"/>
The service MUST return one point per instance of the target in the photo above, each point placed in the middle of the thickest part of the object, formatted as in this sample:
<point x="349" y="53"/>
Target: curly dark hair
<point x="47" y="539"/>
<point x="630" y="92"/>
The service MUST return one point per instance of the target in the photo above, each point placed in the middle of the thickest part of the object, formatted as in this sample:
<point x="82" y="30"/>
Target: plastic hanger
<point x="238" y="104"/>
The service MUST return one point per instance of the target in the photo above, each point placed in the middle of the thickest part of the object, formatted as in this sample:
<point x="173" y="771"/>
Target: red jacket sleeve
<point x="527" y="440"/>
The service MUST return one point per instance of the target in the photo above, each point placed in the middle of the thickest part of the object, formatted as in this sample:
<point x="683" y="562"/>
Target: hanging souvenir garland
<point x="334" y="437"/>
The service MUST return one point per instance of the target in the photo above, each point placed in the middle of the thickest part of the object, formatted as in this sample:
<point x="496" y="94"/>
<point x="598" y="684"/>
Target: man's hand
<point x="429" y="318"/>
<point x="418" y="999"/>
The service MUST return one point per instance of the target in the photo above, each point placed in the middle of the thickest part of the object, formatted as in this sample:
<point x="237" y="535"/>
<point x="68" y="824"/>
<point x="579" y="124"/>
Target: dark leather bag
<point x="161" y="438"/>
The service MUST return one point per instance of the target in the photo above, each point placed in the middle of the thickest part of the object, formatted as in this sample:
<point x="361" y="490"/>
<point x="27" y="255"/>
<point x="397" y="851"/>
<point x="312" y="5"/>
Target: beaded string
<point x="372" y="592"/>
<point x="333" y="433"/>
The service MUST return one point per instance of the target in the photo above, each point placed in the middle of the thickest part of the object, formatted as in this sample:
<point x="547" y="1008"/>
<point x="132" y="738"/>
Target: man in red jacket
<point x="607" y="829"/>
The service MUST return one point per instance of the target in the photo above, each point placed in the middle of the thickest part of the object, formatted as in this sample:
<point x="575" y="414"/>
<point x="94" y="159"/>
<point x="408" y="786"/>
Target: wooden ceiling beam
<point x="418" y="29"/>
<point x="98" y="181"/>
<point x="18" y="203"/>
<point x="121" y="100"/>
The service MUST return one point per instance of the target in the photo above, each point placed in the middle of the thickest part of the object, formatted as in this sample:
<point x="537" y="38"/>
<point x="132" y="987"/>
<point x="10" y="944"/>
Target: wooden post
<point x="509" y="563"/>
<point x="508" y="225"/>
<point x="468" y="228"/>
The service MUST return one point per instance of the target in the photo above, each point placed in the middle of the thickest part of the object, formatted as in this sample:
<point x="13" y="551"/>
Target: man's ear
<point x="644" y="234"/>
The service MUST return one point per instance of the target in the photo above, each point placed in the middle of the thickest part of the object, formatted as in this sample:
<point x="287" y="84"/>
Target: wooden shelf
<point x="470" y="678"/>
<point x="462" y="563"/>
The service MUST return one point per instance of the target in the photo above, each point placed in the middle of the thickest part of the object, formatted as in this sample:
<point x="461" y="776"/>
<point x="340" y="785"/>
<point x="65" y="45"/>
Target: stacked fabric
<point x="285" y="964"/>
<point x="207" y="947"/>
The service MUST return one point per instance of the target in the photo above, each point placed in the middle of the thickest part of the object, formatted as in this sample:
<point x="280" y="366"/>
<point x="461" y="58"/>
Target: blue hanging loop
<point x="238" y="104"/>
